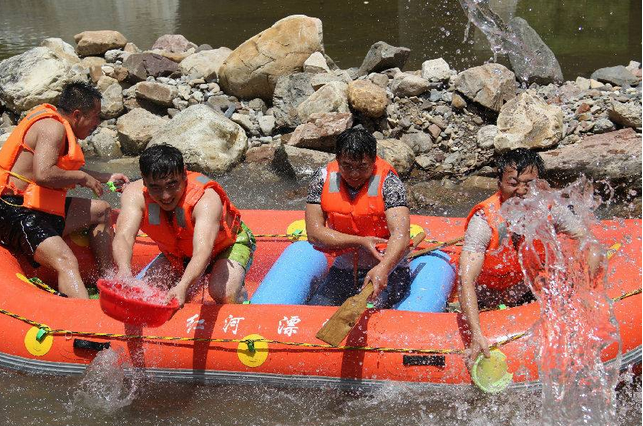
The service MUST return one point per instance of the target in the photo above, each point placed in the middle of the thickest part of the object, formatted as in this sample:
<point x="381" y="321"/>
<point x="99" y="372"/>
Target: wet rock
<point x="398" y="154"/>
<point x="535" y="62"/>
<point x="367" y="98"/>
<point x="321" y="131"/>
<point x="162" y="94"/>
<point x="490" y="85"/>
<point x="140" y="66"/>
<point x="480" y="182"/>
<point x="419" y="142"/>
<point x="136" y="129"/>
<point x="436" y="70"/>
<point x="405" y="85"/>
<point x="316" y="64"/>
<point x="615" y="156"/>
<point x="527" y="121"/>
<point x="305" y="161"/>
<point x="36" y="76"/>
<point x="253" y="68"/>
<point x="383" y="56"/>
<point x="332" y="97"/>
<point x="105" y="143"/>
<point x="98" y="42"/>
<point x="626" y="114"/>
<point x="274" y="157"/>
<point x="618" y="75"/>
<point x="175" y="43"/>
<point x="290" y="91"/>
<point x="210" y="143"/>
<point x="205" y="64"/>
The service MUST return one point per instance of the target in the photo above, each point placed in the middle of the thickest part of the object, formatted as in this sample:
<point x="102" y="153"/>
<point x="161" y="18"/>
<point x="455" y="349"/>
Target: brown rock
<point x="367" y="98"/>
<point x="98" y="42"/>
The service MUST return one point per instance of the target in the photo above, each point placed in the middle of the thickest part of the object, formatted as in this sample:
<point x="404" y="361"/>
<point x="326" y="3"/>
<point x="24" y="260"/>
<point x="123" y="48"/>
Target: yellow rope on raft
<point x="49" y="330"/>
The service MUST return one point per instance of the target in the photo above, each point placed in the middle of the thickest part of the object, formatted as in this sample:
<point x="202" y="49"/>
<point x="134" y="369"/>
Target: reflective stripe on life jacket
<point x="175" y="237"/>
<point x="501" y="268"/>
<point x="37" y="197"/>
<point x="363" y="215"/>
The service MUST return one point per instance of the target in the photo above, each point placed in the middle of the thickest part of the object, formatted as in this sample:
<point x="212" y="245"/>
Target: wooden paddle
<point x="345" y="318"/>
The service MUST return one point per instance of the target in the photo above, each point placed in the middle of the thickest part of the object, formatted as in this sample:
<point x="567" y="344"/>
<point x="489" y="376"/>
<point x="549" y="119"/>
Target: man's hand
<point x="379" y="277"/>
<point x="124" y="274"/>
<point x="370" y="245"/>
<point x="177" y="293"/>
<point x="93" y="184"/>
<point x="479" y="343"/>
<point x="119" y="180"/>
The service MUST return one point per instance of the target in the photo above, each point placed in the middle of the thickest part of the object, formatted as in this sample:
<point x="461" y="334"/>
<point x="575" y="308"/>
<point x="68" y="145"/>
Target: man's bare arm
<point x="127" y="226"/>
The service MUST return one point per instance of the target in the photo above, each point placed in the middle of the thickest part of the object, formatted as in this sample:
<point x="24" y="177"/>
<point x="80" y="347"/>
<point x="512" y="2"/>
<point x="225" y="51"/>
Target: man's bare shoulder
<point x="46" y="127"/>
<point x="133" y="194"/>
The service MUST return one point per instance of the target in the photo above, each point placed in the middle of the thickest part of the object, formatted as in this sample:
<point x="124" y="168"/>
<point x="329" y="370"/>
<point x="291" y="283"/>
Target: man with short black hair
<point x="197" y="228"/>
<point x="39" y="162"/>
<point x="354" y="204"/>
<point x="489" y="270"/>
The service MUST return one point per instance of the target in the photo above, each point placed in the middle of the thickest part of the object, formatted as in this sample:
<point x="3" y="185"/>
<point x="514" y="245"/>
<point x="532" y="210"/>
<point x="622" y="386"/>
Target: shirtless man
<point x="39" y="162"/>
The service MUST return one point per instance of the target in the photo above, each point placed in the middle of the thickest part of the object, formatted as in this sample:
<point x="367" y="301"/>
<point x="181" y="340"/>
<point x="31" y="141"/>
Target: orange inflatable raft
<point x="276" y="344"/>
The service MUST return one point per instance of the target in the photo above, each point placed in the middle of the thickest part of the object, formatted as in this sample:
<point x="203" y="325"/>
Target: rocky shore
<point x="277" y="102"/>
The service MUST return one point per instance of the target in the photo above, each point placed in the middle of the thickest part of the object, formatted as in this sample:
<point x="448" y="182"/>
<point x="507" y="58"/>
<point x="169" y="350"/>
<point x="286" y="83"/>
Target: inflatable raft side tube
<point x="432" y="280"/>
<point x="290" y="279"/>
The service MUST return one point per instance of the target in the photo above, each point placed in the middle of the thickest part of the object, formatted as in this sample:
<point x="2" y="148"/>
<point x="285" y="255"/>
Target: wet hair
<point x="356" y="143"/>
<point x="161" y="161"/>
<point x="520" y="159"/>
<point x="78" y="95"/>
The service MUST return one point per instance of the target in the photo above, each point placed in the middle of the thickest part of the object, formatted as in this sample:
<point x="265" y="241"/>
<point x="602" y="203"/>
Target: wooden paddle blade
<point x="345" y="318"/>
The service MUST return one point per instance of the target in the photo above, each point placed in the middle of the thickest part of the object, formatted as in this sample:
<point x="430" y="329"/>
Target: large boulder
<point x="533" y="60"/>
<point x="290" y="91"/>
<point x="61" y="49"/>
<point x="205" y="64"/>
<point x="527" y="121"/>
<point x="618" y="75"/>
<point x="35" y="77"/>
<point x="382" y="56"/>
<point x="252" y="69"/>
<point x="614" y="156"/>
<point x="174" y="43"/>
<point x="210" y="142"/>
<point x="398" y="154"/>
<point x="136" y="129"/>
<point x="490" y="85"/>
<point x="367" y="98"/>
<point x="332" y="97"/>
<point x="93" y="43"/>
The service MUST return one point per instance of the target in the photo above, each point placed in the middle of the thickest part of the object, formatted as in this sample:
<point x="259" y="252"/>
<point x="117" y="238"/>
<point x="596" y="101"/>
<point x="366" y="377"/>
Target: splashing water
<point x="577" y="323"/>
<point x="104" y="385"/>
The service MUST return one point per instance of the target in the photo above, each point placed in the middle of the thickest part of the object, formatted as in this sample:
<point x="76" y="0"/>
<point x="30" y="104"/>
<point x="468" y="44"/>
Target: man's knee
<point x="101" y="212"/>
<point x="55" y="254"/>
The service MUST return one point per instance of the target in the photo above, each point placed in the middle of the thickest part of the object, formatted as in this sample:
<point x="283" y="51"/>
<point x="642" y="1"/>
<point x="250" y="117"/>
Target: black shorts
<point x="22" y="230"/>
<point x="339" y="285"/>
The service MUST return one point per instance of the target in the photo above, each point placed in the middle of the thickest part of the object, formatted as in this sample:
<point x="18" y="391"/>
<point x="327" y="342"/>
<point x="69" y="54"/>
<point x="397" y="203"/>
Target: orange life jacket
<point x="363" y="215"/>
<point x="501" y="268"/>
<point x="37" y="197"/>
<point x="175" y="238"/>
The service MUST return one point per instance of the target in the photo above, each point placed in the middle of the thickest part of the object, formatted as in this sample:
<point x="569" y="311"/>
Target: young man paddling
<point x="489" y="270"/>
<point x="197" y="228"/>
<point x="354" y="204"/>
<point x="39" y="162"/>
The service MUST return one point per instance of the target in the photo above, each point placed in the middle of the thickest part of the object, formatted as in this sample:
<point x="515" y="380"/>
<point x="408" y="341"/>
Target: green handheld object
<point x="490" y="374"/>
<point x="111" y="186"/>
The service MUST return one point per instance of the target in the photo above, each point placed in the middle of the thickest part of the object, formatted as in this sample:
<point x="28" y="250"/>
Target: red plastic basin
<point x="141" y="305"/>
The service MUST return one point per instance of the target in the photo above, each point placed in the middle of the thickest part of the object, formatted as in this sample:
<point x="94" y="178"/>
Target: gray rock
<point x="490" y="85"/>
<point x="105" y="143"/>
<point x="534" y="62"/>
<point x="267" y="124"/>
<point x="618" y="75"/>
<point x="486" y="136"/>
<point x="247" y="122"/>
<point x="290" y="91"/>
<point x="332" y="97"/>
<point x="626" y="114"/>
<point x="603" y="125"/>
<point x="112" y="103"/>
<point x="305" y="161"/>
<point x="175" y="43"/>
<point x="419" y="142"/>
<point x="436" y="70"/>
<point x="405" y="85"/>
<point x="316" y="64"/>
<point x="63" y="50"/>
<point x="382" y="56"/>
<point x="205" y="64"/>
<point x="321" y="131"/>
<point x="136" y="129"/>
<point x="210" y="143"/>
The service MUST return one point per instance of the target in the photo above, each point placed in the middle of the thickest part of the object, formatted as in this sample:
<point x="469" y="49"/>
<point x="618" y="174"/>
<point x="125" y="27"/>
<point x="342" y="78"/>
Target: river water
<point x="584" y="35"/>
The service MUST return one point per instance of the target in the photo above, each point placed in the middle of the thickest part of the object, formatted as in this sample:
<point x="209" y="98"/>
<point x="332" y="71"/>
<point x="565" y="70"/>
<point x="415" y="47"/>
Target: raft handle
<point x="424" y="360"/>
<point x="89" y="345"/>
